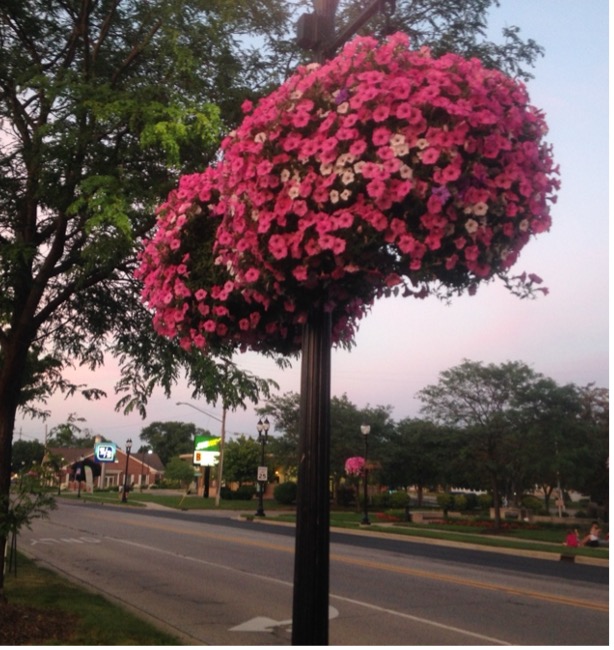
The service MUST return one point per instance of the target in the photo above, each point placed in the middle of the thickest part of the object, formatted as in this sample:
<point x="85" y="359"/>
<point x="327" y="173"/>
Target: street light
<point x="220" y="466"/>
<point x="143" y="450"/>
<point x="263" y="428"/>
<point x="128" y="448"/>
<point x="365" y="429"/>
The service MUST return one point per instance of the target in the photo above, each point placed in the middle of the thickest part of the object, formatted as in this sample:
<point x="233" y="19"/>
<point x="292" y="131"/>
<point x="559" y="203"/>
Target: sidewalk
<point x="367" y="531"/>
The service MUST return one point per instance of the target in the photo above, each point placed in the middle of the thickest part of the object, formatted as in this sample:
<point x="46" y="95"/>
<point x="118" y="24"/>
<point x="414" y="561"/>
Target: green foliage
<point x="485" y="501"/>
<point x="26" y="453"/>
<point x="345" y="495"/>
<point x="535" y="505"/>
<point x="445" y="501"/>
<point x="285" y="493"/>
<point x="97" y="621"/>
<point x="241" y="460"/>
<point x="168" y="439"/>
<point x="28" y="500"/>
<point x="459" y="502"/>
<point x="454" y="26"/>
<point x="398" y="499"/>
<point x="179" y="470"/>
<point x="102" y="105"/>
<point x="242" y="493"/>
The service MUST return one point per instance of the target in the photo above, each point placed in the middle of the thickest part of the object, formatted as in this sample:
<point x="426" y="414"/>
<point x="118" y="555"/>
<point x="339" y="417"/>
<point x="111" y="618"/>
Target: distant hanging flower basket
<point x="382" y="171"/>
<point x="355" y="466"/>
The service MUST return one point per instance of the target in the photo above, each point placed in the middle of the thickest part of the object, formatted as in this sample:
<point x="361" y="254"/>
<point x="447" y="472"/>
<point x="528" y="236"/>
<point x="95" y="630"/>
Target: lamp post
<point x="220" y="466"/>
<point x="78" y="472"/>
<point x="128" y="448"/>
<point x="365" y="429"/>
<point x="263" y="428"/>
<point x="143" y="451"/>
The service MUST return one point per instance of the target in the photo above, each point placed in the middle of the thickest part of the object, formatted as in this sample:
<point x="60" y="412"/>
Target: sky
<point x="404" y="344"/>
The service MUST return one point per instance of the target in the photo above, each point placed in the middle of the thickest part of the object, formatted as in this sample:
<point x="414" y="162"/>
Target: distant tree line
<point x="504" y="428"/>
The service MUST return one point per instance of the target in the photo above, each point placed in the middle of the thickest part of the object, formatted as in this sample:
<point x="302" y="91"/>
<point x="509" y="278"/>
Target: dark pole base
<point x="311" y="563"/>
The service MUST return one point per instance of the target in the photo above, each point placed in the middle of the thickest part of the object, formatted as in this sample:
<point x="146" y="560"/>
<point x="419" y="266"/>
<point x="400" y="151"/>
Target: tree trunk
<point x="11" y="372"/>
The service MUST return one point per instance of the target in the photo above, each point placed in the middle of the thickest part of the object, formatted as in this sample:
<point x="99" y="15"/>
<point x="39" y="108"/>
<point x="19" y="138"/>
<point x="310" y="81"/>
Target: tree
<point x="489" y="403"/>
<point x="179" y="470"/>
<point x="283" y="411"/>
<point x="168" y="439"/>
<point x="70" y="434"/>
<point x="415" y="454"/>
<point x="593" y="477"/>
<point x="451" y="26"/>
<point x="242" y="459"/>
<point x="26" y="453"/>
<point x="101" y="103"/>
<point x="346" y="437"/>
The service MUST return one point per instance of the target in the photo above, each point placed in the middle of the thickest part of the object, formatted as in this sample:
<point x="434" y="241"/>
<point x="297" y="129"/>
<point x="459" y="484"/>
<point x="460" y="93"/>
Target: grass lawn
<point x="545" y="538"/>
<point x="43" y="603"/>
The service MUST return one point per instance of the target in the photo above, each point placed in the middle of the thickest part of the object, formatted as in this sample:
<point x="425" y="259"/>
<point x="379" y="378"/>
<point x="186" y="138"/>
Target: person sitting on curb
<point x="592" y="539"/>
<point x="573" y="538"/>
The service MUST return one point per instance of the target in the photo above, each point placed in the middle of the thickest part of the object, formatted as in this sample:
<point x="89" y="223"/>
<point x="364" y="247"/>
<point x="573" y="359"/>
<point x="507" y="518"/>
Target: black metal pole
<point x="311" y="560"/>
<point x="124" y="496"/>
<point x="260" y="511"/>
<point x="206" y="480"/>
<point x="365" y="519"/>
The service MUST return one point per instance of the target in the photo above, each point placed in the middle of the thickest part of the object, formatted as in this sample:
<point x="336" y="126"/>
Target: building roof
<point x="71" y="455"/>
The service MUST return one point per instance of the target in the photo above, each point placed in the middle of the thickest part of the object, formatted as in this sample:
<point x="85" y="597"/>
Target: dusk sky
<point x="404" y="344"/>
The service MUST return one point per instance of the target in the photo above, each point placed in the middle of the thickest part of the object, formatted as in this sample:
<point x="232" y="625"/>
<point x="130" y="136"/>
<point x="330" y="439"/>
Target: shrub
<point x="398" y="500"/>
<point x="535" y="505"/>
<point x="460" y="502"/>
<point x="346" y="495"/>
<point x="243" y="493"/>
<point x="485" y="501"/>
<point x="381" y="500"/>
<point x="445" y="501"/>
<point x="285" y="493"/>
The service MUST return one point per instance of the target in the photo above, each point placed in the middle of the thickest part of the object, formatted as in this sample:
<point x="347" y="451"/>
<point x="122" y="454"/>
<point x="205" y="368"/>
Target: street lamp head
<point x="365" y="429"/>
<point x="128" y="444"/>
<point x="262" y="428"/>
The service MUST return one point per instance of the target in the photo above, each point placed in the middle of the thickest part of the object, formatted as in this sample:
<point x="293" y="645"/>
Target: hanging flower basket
<point x="382" y="171"/>
<point x="355" y="466"/>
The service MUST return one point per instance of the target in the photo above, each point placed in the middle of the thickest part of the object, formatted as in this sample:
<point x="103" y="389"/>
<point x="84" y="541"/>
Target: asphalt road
<point x="213" y="579"/>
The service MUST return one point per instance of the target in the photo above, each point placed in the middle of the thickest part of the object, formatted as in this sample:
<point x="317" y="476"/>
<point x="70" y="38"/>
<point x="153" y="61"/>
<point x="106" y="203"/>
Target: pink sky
<point x="404" y="344"/>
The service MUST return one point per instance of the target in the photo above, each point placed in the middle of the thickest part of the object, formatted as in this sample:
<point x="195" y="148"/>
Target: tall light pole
<point x="220" y="465"/>
<point x="316" y="31"/>
<point x="125" y="490"/>
<point x="143" y="451"/>
<point x="263" y="428"/>
<point x="365" y="429"/>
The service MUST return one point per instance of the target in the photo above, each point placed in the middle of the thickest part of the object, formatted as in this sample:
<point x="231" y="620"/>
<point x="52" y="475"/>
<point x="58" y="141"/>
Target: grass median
<point x="45" y="609"/>
<point x="545" y="538"/>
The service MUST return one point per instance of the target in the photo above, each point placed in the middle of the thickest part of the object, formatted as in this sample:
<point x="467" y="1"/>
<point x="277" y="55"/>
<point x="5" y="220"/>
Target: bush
<point x="535" y="505"/>
<point x="459" y="502"/>
<point x="243" y="493"/>
<point x="485" y="501"/>
<point x="285" y="493"/>
<point x="398" y="500"/>
<point x="381" y="500"/>
<point x="445" y="501"/>
<point x="346" y="495"/>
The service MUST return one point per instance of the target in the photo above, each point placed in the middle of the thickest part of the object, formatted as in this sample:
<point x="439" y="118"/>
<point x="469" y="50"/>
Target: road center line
<point x="381" y="566"/>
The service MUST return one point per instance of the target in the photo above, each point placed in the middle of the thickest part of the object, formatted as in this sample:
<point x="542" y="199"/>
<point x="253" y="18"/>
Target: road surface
<point x="213" y="579"/>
